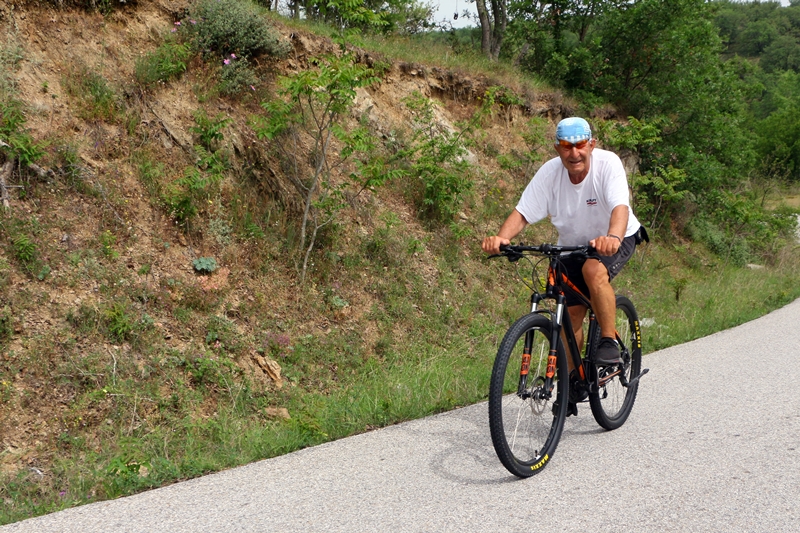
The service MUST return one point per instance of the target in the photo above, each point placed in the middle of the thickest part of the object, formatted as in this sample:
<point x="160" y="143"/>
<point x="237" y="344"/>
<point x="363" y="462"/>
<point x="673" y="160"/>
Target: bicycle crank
<point x="635" y="380"/>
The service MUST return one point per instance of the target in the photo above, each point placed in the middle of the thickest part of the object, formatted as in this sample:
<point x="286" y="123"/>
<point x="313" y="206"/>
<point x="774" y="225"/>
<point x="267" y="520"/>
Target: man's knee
<point x="576" y="314"/>
<point x="595" y="273"/>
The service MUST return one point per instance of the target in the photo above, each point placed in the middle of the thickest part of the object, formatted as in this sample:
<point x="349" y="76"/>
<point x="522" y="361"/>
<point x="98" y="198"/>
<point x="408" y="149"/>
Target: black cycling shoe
<point x="578" y="391"/>
<point x="572" y="408"/>
<point x="607" y="352"/>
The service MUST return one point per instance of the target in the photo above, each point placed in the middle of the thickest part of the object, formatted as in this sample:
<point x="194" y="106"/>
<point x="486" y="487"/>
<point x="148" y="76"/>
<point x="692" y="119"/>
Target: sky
<point x="448" y="7"/>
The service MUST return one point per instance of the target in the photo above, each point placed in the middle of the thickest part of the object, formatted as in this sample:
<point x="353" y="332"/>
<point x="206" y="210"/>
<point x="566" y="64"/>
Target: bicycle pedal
<point x="635" y="380"/>
<point x="572" y="409"/>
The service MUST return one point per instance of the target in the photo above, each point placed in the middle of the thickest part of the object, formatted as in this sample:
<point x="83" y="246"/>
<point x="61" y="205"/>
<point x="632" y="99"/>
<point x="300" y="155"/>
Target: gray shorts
<point x="614" y="263"/>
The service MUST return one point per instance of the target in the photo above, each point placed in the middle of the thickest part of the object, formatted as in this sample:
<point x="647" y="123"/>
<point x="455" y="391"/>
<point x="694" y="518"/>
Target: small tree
<point x="303" y="124"/>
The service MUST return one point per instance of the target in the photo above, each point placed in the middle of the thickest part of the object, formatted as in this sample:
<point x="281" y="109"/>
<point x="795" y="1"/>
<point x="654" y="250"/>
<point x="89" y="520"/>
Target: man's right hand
<point x="491" y="245"/>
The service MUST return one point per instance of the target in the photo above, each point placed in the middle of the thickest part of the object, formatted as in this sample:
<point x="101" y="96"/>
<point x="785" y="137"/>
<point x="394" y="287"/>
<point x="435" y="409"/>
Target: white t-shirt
<point x="579" y="212"/>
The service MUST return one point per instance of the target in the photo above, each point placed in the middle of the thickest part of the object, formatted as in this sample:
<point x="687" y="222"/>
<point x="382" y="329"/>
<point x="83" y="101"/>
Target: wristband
<point x="616" y="237"/>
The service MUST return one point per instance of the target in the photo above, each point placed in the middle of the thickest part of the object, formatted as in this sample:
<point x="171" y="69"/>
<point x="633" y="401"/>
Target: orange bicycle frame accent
<point x="551" y="364"/>
<point x="526" y="364"/>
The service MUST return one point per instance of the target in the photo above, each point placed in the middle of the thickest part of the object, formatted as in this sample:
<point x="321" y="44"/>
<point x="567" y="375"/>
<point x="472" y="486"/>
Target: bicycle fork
<point x="546" y="391"/>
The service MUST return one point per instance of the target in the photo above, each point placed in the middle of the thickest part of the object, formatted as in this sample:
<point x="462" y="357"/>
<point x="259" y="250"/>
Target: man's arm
<point x="606" y="244"/>
<point x="513" y="225"/>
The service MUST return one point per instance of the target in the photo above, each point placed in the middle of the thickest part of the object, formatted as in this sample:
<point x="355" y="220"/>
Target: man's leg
<point x="576" y="316"/>
<point x="604" y="304"/>
<point x="604" y="301"/>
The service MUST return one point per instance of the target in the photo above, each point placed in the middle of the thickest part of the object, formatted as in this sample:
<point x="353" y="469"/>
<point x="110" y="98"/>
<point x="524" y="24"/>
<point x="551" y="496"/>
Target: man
<point x="585" y="192"/>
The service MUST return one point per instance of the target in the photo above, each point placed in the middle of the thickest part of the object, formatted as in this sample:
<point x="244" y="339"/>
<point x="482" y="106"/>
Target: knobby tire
<point x="612" y="403"/>
<point x="525" y="428"/>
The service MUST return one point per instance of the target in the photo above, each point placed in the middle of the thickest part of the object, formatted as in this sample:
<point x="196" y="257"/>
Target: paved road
<point x="713" y="444"/>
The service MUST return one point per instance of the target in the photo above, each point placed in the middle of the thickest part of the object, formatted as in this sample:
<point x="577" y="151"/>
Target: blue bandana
<point x="573" y="129"/>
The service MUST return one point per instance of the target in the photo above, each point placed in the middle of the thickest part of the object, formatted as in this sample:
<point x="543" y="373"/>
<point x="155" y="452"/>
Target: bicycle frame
<point x="557" y="284"/>
<point x="554" y="290"/>
<point x="523" y="433"/>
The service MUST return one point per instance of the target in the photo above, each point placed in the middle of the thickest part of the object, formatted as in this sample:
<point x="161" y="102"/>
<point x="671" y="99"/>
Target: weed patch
<point x="165" y="63"/>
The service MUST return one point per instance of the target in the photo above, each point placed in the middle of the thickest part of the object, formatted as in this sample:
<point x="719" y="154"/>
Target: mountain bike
<point x="531" y="392"/>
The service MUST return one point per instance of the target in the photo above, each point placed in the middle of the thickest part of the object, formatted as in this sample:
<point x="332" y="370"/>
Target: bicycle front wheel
<point x="613" y="400"/>
<point x="526" y="410"/>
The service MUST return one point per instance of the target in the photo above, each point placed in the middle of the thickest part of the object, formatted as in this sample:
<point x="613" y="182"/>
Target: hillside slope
<point x="112" y="340"/>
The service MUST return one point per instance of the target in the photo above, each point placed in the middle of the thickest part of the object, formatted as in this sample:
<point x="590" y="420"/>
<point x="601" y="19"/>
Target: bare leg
<point x="576" y="316"/>
<point x="604" y="301"/>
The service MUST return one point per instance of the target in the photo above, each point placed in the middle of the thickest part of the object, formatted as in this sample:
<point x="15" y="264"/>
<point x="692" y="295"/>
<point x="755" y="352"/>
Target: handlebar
<point x="514" y="252"/>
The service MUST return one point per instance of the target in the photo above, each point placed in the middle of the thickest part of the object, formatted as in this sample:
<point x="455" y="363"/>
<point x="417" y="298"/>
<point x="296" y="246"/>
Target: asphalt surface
<point x="713" y="444"/>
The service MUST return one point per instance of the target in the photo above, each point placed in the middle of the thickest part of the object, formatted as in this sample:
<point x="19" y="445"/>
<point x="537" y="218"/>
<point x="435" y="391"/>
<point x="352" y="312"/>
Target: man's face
<point x="574" y="158"/>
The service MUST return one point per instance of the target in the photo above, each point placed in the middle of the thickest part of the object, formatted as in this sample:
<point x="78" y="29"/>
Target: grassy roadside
<point x="435" y="354"/>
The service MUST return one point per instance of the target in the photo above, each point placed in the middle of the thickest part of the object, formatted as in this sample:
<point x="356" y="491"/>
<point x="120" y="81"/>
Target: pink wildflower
<point x="173" y="30"/>
<point x="178" y="23"/>
<point x="233" y="56"/>
<point x="252" y="87"/>
<point x="227" y="61"/>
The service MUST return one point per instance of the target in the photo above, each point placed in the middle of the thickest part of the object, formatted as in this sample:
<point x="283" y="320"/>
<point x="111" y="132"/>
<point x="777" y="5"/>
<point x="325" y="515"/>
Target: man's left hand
<point x="605" y="245"/>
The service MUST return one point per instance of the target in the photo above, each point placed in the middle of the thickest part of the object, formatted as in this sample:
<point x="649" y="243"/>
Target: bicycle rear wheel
<point x="612" y="402"/>
<point x="526" y="419"/>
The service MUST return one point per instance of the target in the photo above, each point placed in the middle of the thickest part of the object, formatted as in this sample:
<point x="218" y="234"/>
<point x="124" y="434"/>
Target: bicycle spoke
<point x="613" y="402"/>
<point x="525" y="426"/>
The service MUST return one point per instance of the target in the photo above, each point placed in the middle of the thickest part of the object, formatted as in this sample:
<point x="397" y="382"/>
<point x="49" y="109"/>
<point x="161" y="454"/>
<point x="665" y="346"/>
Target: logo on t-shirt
<point x="591" y="201"/>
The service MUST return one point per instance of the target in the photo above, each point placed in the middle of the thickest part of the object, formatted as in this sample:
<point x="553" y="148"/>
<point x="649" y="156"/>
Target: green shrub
<point x="107" y="242"/>
<point x="436" y="162"/>
<point x="233" y="27"/>
<point x="209" y="130"/>
<point x="204" y="265"/>
<point x="150" y="173"/>
<point x="236" y="76"/>
<point x="118" y="322"/>
<point x="6" y="329"/>
<point x="165" y="63"/>
<point x="96" y="99"/>
<point x="20" y="144"/>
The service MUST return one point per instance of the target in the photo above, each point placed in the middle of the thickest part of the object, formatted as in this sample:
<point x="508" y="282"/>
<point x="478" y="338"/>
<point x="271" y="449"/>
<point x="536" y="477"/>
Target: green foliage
<point x="657" y="193"/>
<point x="185" y="195"/>
<point x="107" y="242"/>
<point x="119" y="322"/>
<point x="237" y="76"/>
<point x="751" y="28"/>
<point x="27" y="253"/>
<point x="778" y="142"/>
<point x="204" y="265"/>
<point x="165" y="63"/>
<point x="228" y="27"/>
<point x="309" y="110"/>
<point x="18" y="142"/>
<point x="436" y="159"/>
<point x="209" y="130"/>
<point x="782" y="54"/>
<point x="636" y="135"/>
<point x="97" y="101"/>
<point x="150" y="173"/>
<point x="6" y="328"/>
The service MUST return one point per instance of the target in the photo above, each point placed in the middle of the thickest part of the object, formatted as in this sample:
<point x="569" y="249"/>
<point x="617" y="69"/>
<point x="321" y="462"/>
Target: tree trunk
<point x="5" y="173"/>
<point x="493" y="28"/>
<point x="500" y="22"/>
<point x="486" y="28"/>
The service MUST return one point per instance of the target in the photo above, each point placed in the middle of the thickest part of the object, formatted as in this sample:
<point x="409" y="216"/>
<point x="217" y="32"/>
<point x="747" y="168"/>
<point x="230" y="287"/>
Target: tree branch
<point x="5" y="173"/>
